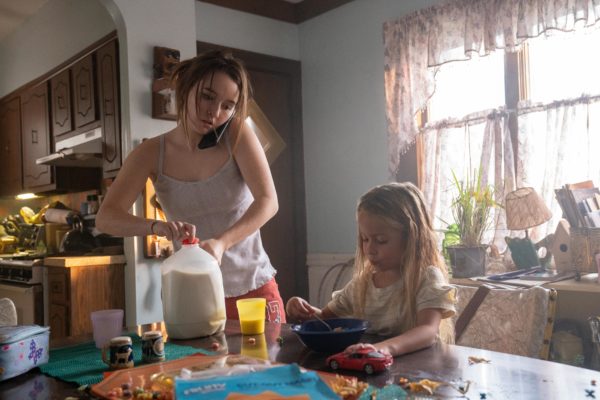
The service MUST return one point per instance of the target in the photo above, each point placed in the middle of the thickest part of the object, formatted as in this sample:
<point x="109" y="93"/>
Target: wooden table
<point x="505" y="377"/>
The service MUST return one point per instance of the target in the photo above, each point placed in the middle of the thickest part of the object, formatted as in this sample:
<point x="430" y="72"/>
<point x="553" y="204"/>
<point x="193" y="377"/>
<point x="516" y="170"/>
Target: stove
<point x="21" y="271"/>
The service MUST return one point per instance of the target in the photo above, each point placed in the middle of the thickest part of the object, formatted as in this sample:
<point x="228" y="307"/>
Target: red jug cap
<point x="191" y="241"/>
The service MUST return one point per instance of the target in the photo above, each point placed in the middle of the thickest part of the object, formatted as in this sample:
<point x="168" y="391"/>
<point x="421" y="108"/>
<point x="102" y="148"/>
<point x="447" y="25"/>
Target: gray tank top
<point x="213" y="205"/>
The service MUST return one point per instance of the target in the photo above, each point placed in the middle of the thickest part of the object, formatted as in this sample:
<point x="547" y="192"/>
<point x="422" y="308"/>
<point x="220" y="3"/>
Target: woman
<point x="211" y="178"/>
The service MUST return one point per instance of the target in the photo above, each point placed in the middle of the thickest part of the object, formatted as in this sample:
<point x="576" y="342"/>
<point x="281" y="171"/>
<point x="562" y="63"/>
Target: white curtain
<point x="417" y="43"/>
<point x="481" y="142"/>
<point x="567" y="133"/>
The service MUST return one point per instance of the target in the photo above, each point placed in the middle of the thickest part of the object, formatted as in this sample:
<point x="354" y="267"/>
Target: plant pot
<point x="467" y="262"/>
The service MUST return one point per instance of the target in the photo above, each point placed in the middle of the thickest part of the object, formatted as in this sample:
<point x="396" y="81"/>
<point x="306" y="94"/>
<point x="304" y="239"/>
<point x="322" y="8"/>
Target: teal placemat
<point x="82" y="364"/>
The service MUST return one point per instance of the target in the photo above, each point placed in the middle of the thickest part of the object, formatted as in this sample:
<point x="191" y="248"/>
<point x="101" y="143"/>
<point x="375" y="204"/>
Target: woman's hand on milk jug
<point x="214" y="247"/>
<point x="173" y="230"/>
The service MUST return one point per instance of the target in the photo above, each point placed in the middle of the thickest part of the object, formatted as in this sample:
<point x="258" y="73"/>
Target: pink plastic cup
<point x="106" y="324"/>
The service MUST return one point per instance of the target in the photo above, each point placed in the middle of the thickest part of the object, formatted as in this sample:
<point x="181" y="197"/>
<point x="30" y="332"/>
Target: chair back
<point x="8" y="312"/>
<point x="516" y="321"/>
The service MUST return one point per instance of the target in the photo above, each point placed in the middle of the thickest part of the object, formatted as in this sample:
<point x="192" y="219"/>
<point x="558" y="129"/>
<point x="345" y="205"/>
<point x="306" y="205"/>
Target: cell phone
<point x="210" y="139"/>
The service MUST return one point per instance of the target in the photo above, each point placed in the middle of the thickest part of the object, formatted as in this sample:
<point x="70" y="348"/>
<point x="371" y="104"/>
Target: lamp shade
<point x="525" y="209"/>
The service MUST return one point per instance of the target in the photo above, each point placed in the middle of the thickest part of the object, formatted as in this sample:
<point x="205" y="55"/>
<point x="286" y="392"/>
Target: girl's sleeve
<point x="436" y="292"/>
<point x="342" y="300"/>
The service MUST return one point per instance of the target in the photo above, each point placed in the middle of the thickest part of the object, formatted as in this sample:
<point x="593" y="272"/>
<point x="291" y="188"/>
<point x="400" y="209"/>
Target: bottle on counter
<point x="92" y="204"/>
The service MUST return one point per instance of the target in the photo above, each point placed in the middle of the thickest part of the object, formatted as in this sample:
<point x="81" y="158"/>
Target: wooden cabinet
<point x="79" y="285"/>
<point x="108" y="87"/>
<point x="80" y="96"/>
<point x="35" y="136"/>
<point x="10" y="147"/>
<point x="84" y="92"/>
<point x="60" y="94"/>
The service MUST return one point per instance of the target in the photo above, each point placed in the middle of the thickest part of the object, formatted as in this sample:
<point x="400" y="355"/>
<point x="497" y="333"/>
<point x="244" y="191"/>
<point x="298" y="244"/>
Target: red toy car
<point x="362" y="360"/>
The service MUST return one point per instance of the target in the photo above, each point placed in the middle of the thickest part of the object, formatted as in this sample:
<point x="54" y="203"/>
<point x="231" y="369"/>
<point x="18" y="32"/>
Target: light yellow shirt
<point x="384" y="308"/>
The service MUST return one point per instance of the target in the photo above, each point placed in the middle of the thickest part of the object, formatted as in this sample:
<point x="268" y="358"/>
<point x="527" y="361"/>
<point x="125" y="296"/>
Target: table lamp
<point x="524" y="209"/>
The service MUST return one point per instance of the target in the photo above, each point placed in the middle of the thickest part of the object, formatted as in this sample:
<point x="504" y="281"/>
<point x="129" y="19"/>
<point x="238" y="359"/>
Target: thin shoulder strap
<point x="161" y="155"/>
<point x="227" y="141"/>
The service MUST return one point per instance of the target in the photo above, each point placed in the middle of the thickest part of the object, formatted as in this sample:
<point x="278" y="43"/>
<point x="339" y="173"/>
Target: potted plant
<point x="472" y="211"/>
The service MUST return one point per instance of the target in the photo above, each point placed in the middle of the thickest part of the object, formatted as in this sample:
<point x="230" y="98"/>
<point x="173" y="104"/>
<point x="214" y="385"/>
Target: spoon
<point x="323" y="322"/>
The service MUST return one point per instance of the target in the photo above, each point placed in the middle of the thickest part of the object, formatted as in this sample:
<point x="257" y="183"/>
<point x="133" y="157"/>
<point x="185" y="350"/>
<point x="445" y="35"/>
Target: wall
<point x="47" y="39"/>
<point x="246" y="31"/>
<point x="345" y="142"/>
<point x="141" y="25"/>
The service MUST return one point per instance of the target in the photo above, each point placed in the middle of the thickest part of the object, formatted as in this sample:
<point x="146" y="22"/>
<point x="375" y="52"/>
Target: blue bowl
<point x="315" y="335"/>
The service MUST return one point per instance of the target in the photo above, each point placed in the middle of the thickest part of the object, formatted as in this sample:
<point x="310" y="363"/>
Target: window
<point x="557" y="131"/>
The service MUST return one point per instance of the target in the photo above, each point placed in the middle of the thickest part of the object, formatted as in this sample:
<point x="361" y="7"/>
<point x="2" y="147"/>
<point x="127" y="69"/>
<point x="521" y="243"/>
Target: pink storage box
<point x="22" y="347"/>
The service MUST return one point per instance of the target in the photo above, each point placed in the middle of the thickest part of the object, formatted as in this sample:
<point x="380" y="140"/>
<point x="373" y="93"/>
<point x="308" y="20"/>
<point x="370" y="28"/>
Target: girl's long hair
<point x="403" y="207"/>
<point x="187" y="75"/>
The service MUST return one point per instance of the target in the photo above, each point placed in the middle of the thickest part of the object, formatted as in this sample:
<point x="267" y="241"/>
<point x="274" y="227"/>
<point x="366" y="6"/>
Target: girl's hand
<point x="214" y="247"/>
<point x="299" y="309"/>
<point x="353" y="348"/>
<point x="175" y="230"/>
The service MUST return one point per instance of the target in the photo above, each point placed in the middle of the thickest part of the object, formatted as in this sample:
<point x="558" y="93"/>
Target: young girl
<point x="400" y="280"/>
<point x="211" y="177"/>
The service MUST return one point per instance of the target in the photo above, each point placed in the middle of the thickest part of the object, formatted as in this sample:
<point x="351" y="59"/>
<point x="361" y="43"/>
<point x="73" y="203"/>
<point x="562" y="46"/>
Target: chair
<point x="516" y="320"/>
<point x="8" y="312"/>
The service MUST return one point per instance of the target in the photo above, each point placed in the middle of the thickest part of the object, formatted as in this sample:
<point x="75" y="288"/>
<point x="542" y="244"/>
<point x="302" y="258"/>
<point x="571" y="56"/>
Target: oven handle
<point x="18" y="288"/>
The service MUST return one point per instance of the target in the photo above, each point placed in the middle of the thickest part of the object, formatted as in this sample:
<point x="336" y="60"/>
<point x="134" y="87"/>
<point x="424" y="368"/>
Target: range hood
<point x="81" y="150"/>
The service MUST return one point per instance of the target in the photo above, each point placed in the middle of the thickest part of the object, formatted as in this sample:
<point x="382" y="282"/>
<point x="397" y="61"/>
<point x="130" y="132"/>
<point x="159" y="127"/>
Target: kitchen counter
<point x="80" y="261"/>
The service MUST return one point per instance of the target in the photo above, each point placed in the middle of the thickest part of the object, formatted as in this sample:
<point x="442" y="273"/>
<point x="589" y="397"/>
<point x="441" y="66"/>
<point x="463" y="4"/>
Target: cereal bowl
<point x="317" y="337"/>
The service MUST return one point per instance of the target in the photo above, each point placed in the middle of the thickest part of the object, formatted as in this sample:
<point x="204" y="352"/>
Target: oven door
<point x="28" y="301"/>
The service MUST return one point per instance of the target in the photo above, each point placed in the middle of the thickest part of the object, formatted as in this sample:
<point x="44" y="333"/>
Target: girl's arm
<point x="255" y="170"/>
<point x="421" y="336"/>
<point x="298" y="309"/>
<point x="114" y="217"/>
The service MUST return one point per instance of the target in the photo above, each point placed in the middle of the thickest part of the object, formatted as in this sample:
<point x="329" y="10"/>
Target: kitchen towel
<point x="82" y="364"/>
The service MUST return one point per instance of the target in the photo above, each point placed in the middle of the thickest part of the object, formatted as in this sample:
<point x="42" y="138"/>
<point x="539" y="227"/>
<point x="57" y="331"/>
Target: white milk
<point x="192" y="294"/>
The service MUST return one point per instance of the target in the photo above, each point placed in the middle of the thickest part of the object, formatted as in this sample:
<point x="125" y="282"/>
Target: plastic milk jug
<point x="192" y="293"/>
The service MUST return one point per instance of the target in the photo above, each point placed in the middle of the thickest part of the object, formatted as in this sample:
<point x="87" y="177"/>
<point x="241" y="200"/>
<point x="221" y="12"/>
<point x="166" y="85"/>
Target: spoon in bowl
<point x="323" y="322"/>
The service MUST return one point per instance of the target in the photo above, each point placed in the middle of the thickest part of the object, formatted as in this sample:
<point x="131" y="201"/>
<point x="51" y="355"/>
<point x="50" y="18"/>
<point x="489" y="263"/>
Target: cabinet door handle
<point x="34" y="136"/>
<point x="61" y="102"/>
<point x="108" y="107"/>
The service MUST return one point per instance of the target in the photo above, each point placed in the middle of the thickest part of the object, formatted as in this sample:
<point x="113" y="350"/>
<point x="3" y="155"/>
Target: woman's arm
<point x="114" y="217"/>
<point x="255" y="170"/>
<point x="421" y="336"/>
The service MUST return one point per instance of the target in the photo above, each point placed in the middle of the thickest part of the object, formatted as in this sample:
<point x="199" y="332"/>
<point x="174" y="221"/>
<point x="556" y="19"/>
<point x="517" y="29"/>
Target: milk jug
<point x="192" y="293"/>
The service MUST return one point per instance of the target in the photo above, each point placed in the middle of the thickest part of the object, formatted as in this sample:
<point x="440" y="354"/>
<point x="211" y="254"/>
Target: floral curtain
<point x="416" y="44"/>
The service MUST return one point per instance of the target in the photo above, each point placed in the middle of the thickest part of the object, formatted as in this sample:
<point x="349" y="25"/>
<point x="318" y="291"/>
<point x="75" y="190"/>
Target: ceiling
<point x="14" y="12"/>
<point x="294" y="11"/>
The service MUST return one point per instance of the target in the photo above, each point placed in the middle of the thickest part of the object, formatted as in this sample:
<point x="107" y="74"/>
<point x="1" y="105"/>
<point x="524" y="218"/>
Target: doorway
<point x="276" y="86"/>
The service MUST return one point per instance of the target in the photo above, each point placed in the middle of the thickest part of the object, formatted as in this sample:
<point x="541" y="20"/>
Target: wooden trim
<point x="294" y="13"/>
<point x="56" y="70"/>
<point x="523" y="74"/>
<point x="511" y="99"/>
<point x="549" y="327"/>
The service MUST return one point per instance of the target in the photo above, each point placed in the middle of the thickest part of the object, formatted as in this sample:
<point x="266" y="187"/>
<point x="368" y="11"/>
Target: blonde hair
<point x="189" y="73"/>
<point x="402" y="206"/>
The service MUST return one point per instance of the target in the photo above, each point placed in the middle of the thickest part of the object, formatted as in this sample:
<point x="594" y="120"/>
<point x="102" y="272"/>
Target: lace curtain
<point x="416" y="44"/>
<point x="571" y="136"/>
<point x="487" y="141"/>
